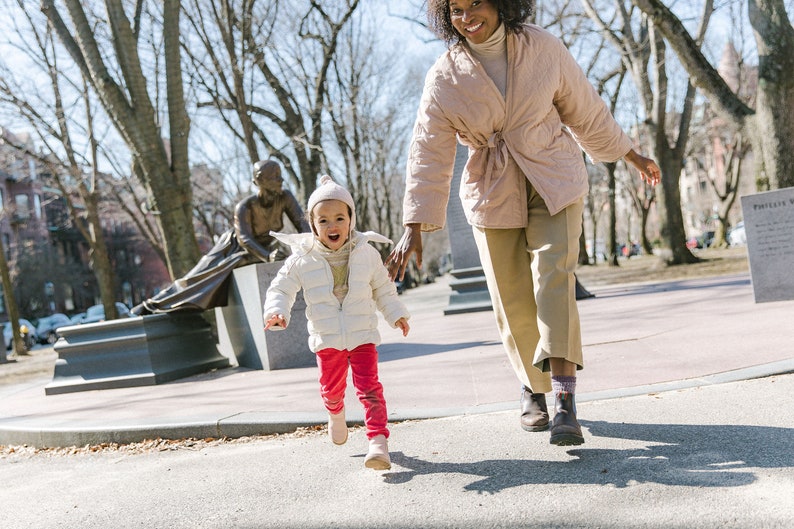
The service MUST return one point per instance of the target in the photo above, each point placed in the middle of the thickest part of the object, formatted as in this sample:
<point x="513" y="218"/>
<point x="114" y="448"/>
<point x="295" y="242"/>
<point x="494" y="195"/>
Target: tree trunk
<point x="100" y="260"/>
<point x="166" y="174"/>
<point x="612" y="242"/>
<point x="668" y="205"/>
<point x="17" y="343"/>
<point x="647" y="247"/>
<point x="771" y="125"/>
<point x="774" y="118"/>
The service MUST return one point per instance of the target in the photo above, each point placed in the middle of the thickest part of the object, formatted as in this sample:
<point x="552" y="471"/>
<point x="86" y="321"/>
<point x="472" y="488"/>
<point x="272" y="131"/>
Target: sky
<point x="417" y="42"/>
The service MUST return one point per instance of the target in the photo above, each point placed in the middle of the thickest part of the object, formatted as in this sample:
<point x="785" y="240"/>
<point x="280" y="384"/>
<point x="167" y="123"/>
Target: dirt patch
<point x="39" y="362"/>
<point x="650" y="268"/>
<point x="149" y="445"/>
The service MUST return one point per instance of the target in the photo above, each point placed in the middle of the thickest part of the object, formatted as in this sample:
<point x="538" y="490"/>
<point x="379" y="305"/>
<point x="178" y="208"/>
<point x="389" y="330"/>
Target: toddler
<point x="344" y="281"/>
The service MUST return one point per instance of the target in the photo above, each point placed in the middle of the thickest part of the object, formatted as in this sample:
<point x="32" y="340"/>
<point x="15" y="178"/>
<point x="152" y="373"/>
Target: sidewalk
<point x="638" y="339"/>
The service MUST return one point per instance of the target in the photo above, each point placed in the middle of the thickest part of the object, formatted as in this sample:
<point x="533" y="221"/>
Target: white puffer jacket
<point x="332" y="324"/>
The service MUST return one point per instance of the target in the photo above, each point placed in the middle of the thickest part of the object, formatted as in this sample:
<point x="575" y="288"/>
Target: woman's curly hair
<point x="513" y="13"/>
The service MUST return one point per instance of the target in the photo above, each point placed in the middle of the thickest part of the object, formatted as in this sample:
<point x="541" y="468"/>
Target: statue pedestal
<point x="470" y="293"/>
<point x="138" y="351"/>
<point x="241" y="329"/>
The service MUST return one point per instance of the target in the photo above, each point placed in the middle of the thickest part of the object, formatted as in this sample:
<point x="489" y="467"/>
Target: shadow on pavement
<point x="399" y="351"/>
<point x="676" y="455"/>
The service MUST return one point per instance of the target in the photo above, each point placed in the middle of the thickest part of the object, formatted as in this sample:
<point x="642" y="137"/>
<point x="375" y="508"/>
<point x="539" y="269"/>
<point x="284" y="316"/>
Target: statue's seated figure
<point x="249" y="241"/>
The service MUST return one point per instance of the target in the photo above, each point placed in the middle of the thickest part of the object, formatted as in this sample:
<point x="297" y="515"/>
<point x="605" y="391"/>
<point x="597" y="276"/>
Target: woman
<point x="513" y="94"/>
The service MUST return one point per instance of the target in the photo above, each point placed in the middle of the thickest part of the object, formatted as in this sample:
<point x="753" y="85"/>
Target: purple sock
<point x="560" y="384"/>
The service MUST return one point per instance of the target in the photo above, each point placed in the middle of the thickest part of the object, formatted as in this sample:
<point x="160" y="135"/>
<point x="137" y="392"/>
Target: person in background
<point x="344" y="282"/>
<point x="514" y="95"/>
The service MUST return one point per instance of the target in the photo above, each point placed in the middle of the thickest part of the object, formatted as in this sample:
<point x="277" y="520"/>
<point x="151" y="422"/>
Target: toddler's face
<point x="331" y="221"/>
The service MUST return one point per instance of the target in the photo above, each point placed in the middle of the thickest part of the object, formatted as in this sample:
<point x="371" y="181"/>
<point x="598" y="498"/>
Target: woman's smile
<point x="474" y="19"/>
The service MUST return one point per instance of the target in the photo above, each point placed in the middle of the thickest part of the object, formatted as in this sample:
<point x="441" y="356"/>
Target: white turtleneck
<point x="493" y="55"/>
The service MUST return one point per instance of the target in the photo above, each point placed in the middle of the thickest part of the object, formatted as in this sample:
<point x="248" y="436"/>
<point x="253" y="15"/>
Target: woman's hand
<point x="409" y="243"/>
<point x="648" y="169"/>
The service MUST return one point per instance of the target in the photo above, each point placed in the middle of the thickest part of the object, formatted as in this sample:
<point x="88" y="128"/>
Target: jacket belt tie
<point x="495" y="164"/>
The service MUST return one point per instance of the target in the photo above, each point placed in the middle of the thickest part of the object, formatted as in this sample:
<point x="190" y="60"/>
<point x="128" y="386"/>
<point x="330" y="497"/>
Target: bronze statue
<point x="248" y="242"/>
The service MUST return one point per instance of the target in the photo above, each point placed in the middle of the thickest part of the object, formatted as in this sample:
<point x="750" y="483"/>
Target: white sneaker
<point x="337" y="428"/>
<point x="378" y="454"/>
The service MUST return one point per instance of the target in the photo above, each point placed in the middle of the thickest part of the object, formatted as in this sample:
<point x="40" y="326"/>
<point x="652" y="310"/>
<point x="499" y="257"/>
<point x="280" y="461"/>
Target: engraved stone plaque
<point x="769" y="225"/>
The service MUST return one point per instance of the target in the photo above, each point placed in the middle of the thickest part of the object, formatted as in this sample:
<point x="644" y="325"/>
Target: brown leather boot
<point x="565" y="429"/>
<point x="534" y="413"/>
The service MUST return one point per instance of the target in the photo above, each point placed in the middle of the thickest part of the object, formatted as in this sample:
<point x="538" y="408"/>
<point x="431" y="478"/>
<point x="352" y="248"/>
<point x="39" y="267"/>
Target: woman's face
<point x="474" y="19"/>
<point x="331" y="222"/>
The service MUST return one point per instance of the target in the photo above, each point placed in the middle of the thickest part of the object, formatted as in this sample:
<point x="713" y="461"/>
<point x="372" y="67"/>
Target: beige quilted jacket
<point x="550" y="113"/>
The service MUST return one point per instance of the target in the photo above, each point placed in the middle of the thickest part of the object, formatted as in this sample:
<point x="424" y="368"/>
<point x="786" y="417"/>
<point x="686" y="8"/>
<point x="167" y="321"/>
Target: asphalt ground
<point x="714" y="456"/>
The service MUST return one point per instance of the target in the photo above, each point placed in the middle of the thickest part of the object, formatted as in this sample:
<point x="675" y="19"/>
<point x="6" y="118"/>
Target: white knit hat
<point x="330" y="190"/>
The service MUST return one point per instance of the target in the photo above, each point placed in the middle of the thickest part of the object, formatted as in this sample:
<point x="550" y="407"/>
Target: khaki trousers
<point x="530" y="277"/>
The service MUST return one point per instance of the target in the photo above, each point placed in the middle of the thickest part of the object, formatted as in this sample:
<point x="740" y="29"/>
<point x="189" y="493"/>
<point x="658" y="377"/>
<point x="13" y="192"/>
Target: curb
<point x="19" y="432"/>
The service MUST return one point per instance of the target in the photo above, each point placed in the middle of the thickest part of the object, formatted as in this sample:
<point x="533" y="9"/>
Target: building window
<point x="22" y="206"/>
<point x="37" y="206"/>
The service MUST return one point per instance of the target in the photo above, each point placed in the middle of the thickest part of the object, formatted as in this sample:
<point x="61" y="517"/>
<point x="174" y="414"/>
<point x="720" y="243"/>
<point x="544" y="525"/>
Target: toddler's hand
<point x="276" y="321"/>
<point x="402" y="323"/>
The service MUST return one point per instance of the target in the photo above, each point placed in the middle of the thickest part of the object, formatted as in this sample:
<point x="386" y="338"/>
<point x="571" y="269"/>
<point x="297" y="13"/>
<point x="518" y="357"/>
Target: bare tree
<point x="769" y="125"/>
<point x="106" y="50"/>
<point x="17" y="343"/>
<point x="51" y="121"/>
<point x="720" y="148"/>
<point x="268" y="66"/>
<point x="727" y="159"/>
<point x="371" y="106"/>
<point x="638" y="47"/>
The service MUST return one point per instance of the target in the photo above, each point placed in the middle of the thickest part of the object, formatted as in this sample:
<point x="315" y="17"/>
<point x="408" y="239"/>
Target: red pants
<point x="363" y="361"/>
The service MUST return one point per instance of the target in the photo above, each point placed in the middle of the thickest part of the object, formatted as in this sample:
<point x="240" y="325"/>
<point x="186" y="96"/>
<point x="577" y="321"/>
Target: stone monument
<point x="470" y="293"/>
<point x="137" y="351"/>
<point x="241" y="329"/>
<point x="169" y="339"/>
<point x="468" y="280"/>
<point x="769" y="225"/>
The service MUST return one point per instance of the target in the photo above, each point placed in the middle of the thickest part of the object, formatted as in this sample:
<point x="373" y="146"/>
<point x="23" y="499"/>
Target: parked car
<point x="96" y="313"/>
<point x="705" y="240"/>
<point x="47" y="327"/>
<point x="737" y="236"/>
<point x="27" y="329"/>
<point x="630" y="250"/>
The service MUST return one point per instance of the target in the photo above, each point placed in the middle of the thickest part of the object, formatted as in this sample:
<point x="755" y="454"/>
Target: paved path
<point x="717" y="456"/>
<point x="639" y="339"/>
